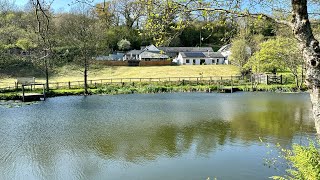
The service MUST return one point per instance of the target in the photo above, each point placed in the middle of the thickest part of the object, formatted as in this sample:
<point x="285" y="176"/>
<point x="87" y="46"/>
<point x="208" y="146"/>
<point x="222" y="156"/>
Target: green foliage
<point x="304" y="162"/>
<point x="240" y="52"/>
<point x="9" y="96"/>
<point x="115" y="34"/>
<point x="64" y="92"/>
<point x="216" y="32"/>
<point x="276" y="55"/>
<point x="25" y="44"/>
<point x="162" y="24"/>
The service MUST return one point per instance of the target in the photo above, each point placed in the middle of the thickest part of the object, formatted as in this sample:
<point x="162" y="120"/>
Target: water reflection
<point x="87" y="138"/>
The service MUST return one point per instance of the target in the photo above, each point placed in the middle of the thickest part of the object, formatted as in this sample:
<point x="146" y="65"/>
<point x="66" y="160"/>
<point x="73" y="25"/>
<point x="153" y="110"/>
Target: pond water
<point x="152" y="136"/>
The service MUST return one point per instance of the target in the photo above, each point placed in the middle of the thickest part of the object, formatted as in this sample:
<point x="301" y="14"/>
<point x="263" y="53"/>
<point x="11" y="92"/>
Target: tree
<point x="278" y="54"/>
<point x="124" y="44"/>
<point x="240" y="52"/>
<point x="163" y="23"/>
<point x="43" y="28"/>
<point x="81" y="30"/>
<point x="106" y="13"/>
<point x="130" y="10"/>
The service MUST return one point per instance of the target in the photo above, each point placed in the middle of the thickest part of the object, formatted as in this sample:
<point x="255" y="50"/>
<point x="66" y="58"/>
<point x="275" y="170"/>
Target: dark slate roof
<point x="193" y="54"/>
<point x="153" y="55"/>
<point x="186" y="49"/>
<point x="134" y="52"/>
<point x="215" y="55"/>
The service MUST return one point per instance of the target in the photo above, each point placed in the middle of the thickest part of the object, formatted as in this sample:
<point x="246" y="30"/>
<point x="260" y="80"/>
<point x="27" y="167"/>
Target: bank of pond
<point x="131" y="88"/>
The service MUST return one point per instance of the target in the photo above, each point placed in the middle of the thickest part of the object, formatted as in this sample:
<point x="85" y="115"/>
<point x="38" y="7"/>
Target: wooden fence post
<point x="69" y="85"/>
<point x="22" y="92"/>
<point x="231" y="85"/>
<point x="43" y="91"/>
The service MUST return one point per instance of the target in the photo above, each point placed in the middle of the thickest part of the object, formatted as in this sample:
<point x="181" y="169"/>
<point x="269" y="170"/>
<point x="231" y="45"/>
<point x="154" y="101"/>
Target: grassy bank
<point x="144" y="88"/>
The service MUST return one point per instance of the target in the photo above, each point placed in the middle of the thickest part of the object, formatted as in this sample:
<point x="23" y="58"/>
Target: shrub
<point x="304" y="162"/>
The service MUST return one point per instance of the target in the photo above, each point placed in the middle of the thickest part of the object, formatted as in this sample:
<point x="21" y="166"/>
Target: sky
<point x="58" y="5"/>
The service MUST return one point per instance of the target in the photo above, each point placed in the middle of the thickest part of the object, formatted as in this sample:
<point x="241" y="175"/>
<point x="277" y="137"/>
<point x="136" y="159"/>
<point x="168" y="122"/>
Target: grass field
<point x="75" y="73"/>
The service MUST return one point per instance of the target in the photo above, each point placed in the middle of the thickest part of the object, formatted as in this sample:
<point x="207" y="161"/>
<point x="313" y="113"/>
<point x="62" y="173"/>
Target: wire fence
<point x="137" y="81"/>
<point x="211" y="80"/>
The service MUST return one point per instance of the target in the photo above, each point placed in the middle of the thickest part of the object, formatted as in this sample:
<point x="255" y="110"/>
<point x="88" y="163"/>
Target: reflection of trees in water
<point x="279" y="119"/>
<point x="167" y="140"/>
<point x="278" y="122"/>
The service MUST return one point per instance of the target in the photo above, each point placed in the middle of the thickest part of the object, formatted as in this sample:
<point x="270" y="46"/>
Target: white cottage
<point x="199" y="58"/>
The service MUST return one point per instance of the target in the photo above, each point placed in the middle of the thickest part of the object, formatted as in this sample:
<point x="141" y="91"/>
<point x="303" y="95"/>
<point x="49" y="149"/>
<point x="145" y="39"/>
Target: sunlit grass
<point x="75" y="73"/>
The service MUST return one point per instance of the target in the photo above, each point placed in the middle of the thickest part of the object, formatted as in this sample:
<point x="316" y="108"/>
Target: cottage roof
<point x="215" y="55"/>
<point x="111" y="57"/>
<point x="153" y="55"/>
<point x="186" y="49"/>
<point x="151" y="48"/>
<point x="193" y="55"/>
<point x="225" y="48"/>
<point x="134" y="52"/>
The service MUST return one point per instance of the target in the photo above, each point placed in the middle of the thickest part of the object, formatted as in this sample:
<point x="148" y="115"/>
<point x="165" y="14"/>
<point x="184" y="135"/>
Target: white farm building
<point x="200" y="58"/>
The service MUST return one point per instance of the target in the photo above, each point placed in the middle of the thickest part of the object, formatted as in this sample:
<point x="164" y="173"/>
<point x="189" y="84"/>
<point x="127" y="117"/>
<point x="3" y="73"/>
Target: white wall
<point x="183" y="61"/>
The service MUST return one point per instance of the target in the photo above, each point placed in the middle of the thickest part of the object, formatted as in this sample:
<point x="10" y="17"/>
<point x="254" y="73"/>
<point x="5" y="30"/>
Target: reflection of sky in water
<point x="154" y="136"/>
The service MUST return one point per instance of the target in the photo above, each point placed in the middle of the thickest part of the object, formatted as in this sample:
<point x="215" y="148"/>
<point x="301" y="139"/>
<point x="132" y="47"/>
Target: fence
<point x="268" y="79"/>
<point x="221" y="80"/>
<point x="212" y="80"/>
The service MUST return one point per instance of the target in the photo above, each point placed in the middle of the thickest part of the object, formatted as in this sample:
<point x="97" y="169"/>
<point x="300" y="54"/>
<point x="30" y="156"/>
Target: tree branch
<point x="244" y="14"/>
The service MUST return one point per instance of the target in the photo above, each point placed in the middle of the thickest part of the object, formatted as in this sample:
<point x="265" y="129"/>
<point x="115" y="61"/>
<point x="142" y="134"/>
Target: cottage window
<point x="194" y="61"/>
<point x="187" y="60"/>
<point x="213" y="61"/>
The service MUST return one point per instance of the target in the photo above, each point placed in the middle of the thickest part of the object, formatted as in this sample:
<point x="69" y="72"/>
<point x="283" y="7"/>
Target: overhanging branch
<point x="244" y="14"/>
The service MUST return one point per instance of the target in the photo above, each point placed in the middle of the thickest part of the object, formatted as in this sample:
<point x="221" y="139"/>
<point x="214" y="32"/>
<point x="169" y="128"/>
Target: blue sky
<point x="57" y="4"/>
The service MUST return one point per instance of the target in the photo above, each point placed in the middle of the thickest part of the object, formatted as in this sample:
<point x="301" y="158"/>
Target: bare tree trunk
<point x="47" y="74"/>
<point x="302" y="76"/>
<point x="296" y="78"/>
<point x="311" y="53"/>
<point x="86" y="76"/>
<point x="46" y="70"/>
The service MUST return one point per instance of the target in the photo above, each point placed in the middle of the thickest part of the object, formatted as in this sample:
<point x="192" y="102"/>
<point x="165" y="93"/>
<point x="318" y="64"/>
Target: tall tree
<point x="240" y="52"/>
<point x="106" y="13"/>
<point x="130" y="10"/>
<point x="43" y="27"/>
<point x="81" y="30"/>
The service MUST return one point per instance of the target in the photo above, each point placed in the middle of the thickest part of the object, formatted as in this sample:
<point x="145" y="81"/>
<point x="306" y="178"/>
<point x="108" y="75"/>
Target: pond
<point x="152" y="136"/>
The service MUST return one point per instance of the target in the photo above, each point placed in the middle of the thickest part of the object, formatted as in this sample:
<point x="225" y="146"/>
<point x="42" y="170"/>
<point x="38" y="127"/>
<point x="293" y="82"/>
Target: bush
<point x="304" y="162"/>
